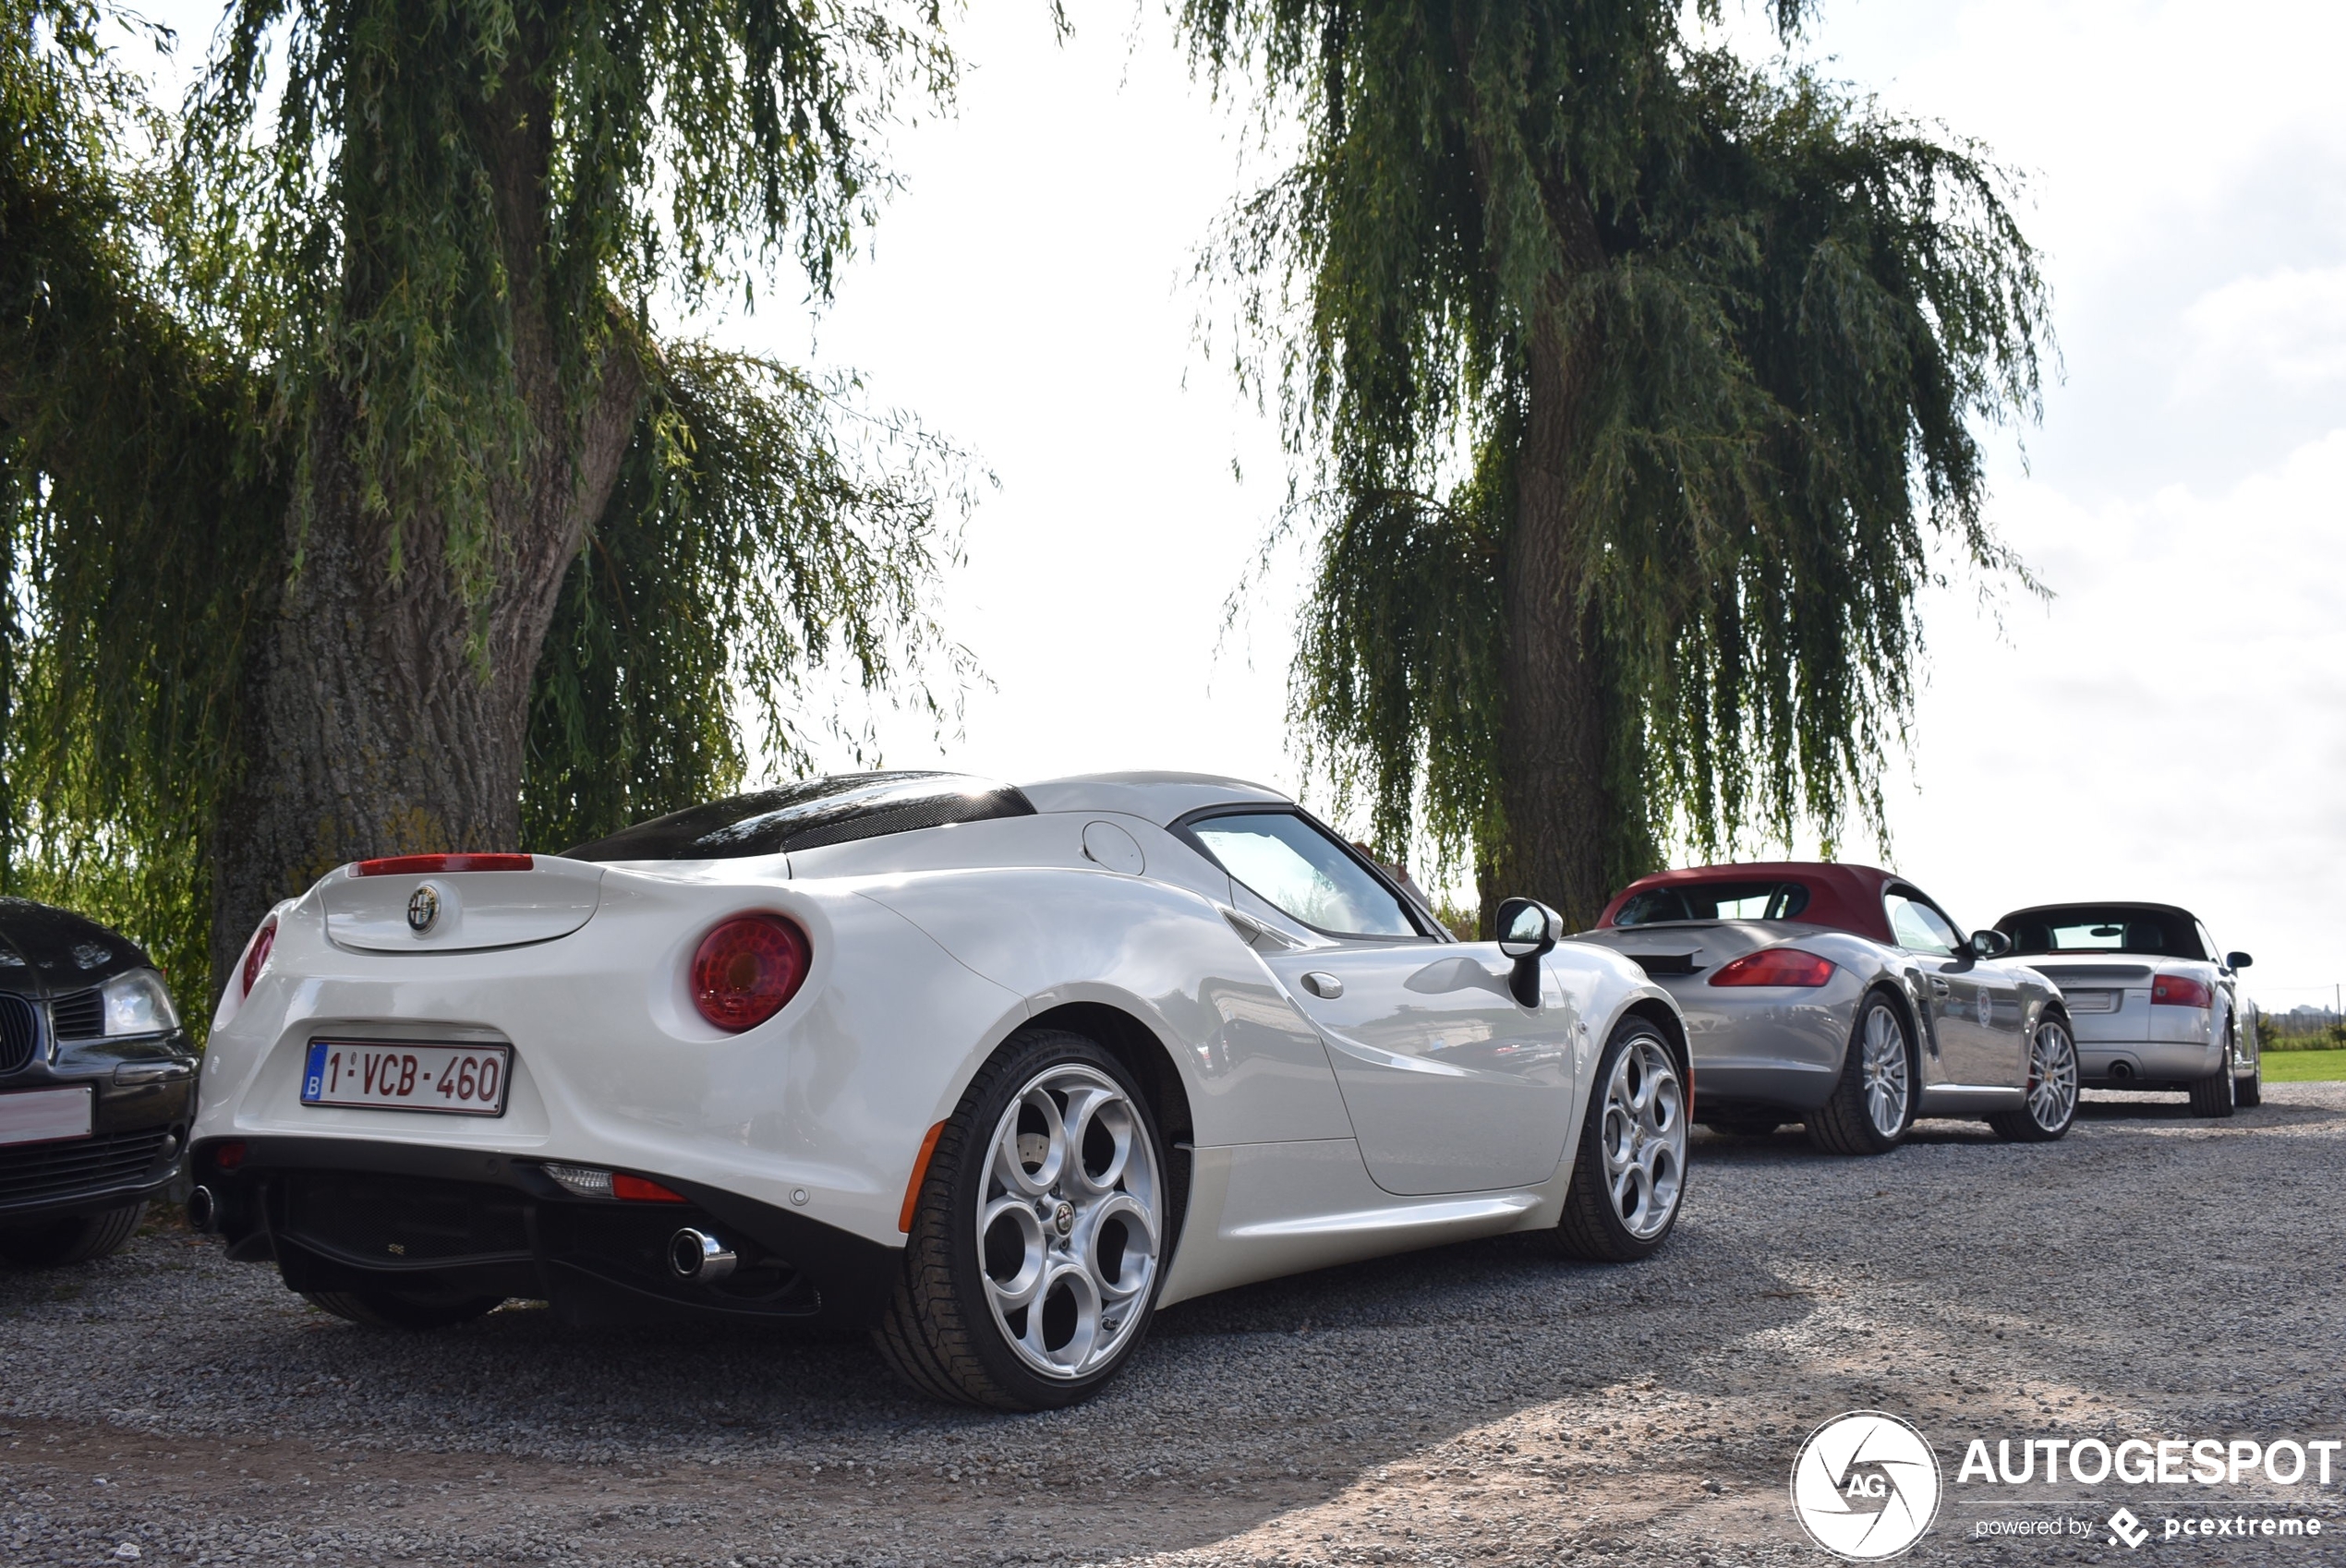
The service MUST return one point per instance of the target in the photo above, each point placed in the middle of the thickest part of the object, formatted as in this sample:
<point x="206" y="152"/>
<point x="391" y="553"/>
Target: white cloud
<point x="2288" y="325"/>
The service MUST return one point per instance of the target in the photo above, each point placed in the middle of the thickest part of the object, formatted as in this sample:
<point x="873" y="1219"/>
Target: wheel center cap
<point x="1063" y="1219"/>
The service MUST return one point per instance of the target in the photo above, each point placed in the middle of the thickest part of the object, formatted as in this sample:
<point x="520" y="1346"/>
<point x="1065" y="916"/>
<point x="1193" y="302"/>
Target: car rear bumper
<point x="2145" y="1064"/>
<point x="343" y="1215"/>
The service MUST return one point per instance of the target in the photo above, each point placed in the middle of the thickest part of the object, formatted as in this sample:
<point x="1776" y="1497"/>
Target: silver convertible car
<point x="1843" y="997"/>
<point x="2156" y="1002"/>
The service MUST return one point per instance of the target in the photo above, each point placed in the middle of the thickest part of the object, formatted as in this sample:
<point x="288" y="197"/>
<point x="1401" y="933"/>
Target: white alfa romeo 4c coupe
<point x="993" y="1072"/>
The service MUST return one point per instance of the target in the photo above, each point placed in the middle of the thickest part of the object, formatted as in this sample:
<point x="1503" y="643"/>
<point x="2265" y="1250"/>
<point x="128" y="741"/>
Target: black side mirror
<point x="1528" y="929"/>
<point x="2237" y="960"/>
<point x="1991" y="943"/>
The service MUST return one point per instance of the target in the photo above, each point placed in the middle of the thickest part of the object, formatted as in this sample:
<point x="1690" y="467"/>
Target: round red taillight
<point x="257" y="956"/>
<point x="747" y="969"/>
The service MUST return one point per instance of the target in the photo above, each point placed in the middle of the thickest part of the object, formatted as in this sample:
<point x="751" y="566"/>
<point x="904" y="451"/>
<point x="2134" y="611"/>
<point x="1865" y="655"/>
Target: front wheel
<point x="1033" y="1264"/>
<point x="1629" y="1171"/>
<point x="1873" y="1105"/>
<point x="2050" y="1103"/>
<point x="77" y="1241"/>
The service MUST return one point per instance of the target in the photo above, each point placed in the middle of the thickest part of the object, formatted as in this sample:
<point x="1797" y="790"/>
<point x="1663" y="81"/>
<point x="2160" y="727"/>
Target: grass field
<point x="2304" y="1067"/>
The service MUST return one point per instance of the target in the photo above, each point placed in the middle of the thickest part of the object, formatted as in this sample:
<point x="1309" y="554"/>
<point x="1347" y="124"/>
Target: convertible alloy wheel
<point x="1039" y="1231"/>
<point x="1873" y="1104"/>
<point x="1629" y="1171"/>
<point x="1068" y="1226"/>
<point x="2050" y="1103"/>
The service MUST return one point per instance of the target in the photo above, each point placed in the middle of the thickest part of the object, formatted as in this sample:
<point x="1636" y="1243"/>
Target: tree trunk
<point x="384" y="714"/>
<point x="1575" y="825"/>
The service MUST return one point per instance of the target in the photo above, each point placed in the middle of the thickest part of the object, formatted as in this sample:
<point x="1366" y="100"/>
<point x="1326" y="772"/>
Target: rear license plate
<point x="45" y="1116"/>
<point x="402" y="1075"/>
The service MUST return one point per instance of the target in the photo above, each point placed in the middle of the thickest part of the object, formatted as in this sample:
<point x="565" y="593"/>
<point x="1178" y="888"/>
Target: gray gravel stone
<point x="2152" y="1275"/>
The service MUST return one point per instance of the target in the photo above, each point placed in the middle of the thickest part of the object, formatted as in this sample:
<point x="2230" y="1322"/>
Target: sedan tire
<point x="1872" y="1107"/>
<point x="77" y="1241"/>
<point x="1629" y="1171"/>
<point x="1038" y="1233"/>
<point x="2050" y="1104"/>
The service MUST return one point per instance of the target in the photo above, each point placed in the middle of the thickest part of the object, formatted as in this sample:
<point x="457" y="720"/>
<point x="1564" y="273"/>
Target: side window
<point x="1289" y="864"/>
<point x="2215" y="954"/>
<point x="1918" y="927"/>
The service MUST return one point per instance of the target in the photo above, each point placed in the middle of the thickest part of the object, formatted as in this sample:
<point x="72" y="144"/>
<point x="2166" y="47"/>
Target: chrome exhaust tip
<point x="203" y="1209"/>
<point x="699" y="1257"/>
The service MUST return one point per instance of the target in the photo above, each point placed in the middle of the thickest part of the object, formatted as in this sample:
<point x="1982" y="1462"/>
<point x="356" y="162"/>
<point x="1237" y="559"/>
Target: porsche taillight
<point x="748" y="969"/>
<point x="257" y="954"/>
<point x="2180" y="991"/>
<point x="1775" y="966"/>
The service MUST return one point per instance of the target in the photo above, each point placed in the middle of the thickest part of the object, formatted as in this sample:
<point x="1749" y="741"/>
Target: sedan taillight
<point x="257" y="956"/>
<point x="2180" y="991"/>
<point x="748" y="969"/>
<point x="1775" y="966"/>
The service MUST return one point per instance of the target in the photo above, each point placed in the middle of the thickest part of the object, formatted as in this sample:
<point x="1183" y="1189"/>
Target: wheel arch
<point x="1134" y="1043"/>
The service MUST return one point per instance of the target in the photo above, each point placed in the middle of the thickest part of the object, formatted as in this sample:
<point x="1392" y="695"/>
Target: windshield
<point x="1714" y="900"/>
<point x="2106" y="928"/>
<point x="808" y="815"/>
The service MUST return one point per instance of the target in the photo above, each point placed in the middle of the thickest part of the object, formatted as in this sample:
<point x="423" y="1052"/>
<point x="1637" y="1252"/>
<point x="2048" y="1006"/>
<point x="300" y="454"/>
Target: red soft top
<point x="1847" y="897"/>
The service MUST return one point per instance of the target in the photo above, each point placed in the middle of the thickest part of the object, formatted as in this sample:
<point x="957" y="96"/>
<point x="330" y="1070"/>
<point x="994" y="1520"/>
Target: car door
<point x="1974" y="1006"/>
<point x="1452" y="1085"/>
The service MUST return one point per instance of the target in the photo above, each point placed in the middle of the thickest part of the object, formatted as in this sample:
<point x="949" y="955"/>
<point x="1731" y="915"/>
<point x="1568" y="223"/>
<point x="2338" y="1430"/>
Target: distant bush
<point x="2275" y="1033"/>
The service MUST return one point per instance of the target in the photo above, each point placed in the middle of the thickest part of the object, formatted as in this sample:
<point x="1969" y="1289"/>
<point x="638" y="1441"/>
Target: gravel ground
<point x="2153" y="1275"/>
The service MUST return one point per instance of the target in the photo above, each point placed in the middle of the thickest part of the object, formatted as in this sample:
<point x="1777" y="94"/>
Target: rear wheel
<point x="1033" y="1265"/>
<point x="1629" y="1171"/>
<point x="2050" y="1103"/>
<point x="2216" y="1094"/>
<point x="77" y="1241"/>
<point x="412" y="1306"/>
<point x="2248" y="1091"/>
<point x="1873" y="1105"/>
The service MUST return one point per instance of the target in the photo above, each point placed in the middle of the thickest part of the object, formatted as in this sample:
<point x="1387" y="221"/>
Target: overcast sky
<point x="2170" y="725"/>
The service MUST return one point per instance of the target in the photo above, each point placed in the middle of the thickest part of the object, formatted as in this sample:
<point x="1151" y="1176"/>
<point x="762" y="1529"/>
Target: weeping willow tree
<point x="351" y="502"/>
<point x="1637" y="394"/>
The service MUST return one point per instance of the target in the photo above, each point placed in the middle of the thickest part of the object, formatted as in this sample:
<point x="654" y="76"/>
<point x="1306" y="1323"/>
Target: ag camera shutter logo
<point x="1866" y="1486"/>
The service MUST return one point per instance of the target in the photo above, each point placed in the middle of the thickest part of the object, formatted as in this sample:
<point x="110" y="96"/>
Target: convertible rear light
<point x="2179" y="991"/>
<point x="257" y="956"/>
<point x="1775" y="966"/>
<point x="589" y="1181"/>
<point x="748" y="969"/>
<point x="425" y="865"/>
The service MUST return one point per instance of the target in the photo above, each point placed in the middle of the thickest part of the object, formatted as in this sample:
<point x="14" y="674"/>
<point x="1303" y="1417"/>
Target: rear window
<point x="809" y="814"/>
<point x="2086" y="929"/>
<point x="1714" y="900"/>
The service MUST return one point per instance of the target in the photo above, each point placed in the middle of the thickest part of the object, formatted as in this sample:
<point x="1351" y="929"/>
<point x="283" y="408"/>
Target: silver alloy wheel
<point x="1069" y="1221"/>
<point x="1645" y="1137"/>
<point x="1885" y="1069"/>
<point x="2052" y="1076"/>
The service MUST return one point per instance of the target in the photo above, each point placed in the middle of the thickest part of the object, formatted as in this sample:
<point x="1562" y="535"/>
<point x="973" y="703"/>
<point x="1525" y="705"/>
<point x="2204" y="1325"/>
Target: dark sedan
<point x="97" y="1085"/>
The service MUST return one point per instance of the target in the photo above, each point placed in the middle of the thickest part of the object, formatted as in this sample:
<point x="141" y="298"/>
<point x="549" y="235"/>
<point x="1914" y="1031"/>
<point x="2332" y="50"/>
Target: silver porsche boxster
<point x="1844" y="998"/>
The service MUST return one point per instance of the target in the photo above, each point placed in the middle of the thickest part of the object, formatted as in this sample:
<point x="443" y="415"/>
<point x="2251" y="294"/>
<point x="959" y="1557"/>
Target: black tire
<point x="2049" y="1105"/>
<point x="414" y="1308"/>
<point x="80" y="1239"/>
<point x="1743" y="1126"/>
<point x="2248" y="1092"/>
<point x="1593" y="1225"/>
<point x="2215" y="1096"/>
<point x="1846" y="1124"/>
<point x="941" y="1332"/>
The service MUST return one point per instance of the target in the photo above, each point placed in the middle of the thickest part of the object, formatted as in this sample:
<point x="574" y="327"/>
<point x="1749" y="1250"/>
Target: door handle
<point x="1323" y="985"/>
<point x="1937" y="986"/>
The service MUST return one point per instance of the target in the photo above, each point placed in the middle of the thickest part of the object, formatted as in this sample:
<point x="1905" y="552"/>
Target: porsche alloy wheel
<point x="1873" y="1104"/>
<point x="2050" y="1103"/>
<point x="1038" y="1235"/>
<point x="1629" y="1173"/>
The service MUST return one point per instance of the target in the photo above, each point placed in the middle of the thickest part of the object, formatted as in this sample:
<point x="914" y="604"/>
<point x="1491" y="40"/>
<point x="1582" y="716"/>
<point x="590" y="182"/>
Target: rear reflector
<point x="1775" y="966"/>
<point x="2179" y="991"/>
<point x="640" y="1190"/>
<point x="425" y="865"/>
